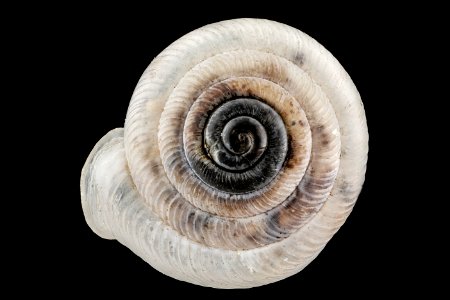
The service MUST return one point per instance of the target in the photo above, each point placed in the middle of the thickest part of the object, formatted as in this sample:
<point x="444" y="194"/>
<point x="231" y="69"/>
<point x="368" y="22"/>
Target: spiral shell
<point x="244" y="150"/>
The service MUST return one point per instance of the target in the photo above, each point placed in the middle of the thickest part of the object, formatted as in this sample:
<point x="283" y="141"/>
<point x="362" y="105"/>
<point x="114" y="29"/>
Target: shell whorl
<point x="244" y="150"/>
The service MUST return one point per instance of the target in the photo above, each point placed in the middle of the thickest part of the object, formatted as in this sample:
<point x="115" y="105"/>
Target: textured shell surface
<point x="244" y="150"/>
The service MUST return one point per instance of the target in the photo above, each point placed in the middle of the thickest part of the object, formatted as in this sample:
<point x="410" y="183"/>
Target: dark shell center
<point x="245" y="141"/>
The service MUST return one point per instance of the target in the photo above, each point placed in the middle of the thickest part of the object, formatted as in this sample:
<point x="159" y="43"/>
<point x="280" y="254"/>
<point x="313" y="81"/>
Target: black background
<point x="98" y="59"/>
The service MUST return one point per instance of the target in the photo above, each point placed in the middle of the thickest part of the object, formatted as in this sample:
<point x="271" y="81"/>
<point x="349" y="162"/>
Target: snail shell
<point x="244" y="150"/>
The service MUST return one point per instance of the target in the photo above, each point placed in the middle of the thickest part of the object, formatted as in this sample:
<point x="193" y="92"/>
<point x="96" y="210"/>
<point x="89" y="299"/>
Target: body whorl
<point x="243" y="152"/>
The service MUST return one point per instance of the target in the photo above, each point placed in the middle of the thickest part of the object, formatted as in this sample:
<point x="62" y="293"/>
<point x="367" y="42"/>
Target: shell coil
<point x="244" y="150"/>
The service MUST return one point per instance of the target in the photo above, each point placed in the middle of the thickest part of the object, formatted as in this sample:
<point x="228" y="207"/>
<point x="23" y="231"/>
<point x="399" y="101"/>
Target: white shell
<point x="137" y="187"/>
